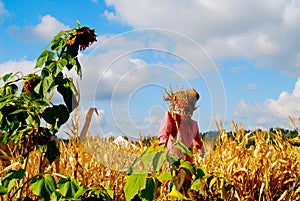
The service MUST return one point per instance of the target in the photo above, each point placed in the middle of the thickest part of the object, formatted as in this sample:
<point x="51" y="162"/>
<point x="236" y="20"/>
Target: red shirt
<point x="188" y="128"/>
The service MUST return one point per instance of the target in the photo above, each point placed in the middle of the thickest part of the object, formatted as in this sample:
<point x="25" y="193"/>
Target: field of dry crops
<point x="261" y="165"/>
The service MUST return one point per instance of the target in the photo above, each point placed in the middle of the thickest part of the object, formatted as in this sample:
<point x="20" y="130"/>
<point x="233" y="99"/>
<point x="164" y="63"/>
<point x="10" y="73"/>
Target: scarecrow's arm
<point x="165" y="129"/>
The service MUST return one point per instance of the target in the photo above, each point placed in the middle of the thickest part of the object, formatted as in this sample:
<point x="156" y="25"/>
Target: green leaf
<point x="9" y="76"/>
<point x="44" y="56"/>
<point x="78" y="68"/>
<point x="68" y="91"/>
<point x="69" y="187"/>
<point x="138" y="171"/>
<point x="56" y="115"/>
<point x="60" y="64"/>
<point x="134" y="184"/>
<point x="148" y="192"/>
<point x="45" y="85"/>
<point x="52" y="152"/>
<point x="110" y="192"/>
<point x="51" y="66"/>
<point x="150" y="155"/>
<point x="74" y="186"/>
<point x="9" y="181"/>
<point x="71" y="62"/>
<point x="38" y="88"/>
<point x="18" y="111"/>
<point x="50" y="184"/>
<point x="11" y="184"/>
<point x="147" y="158"/>
<point x="106" y="194"/>
<point x="152" y="149"/>
<point x="64" y="185"/>
<point x="183" y="148"/>
<point x="186" y="165"/>
<point x="59" y="35"/>
<point x="37" y="185"/>
<point x="173" y="160"/>
<point x="42" y="148"/>
<point x="79" y="192"/>
<point x="196" y="185"/>
<point x="212" y="182"/>
<point x="55" y="196"/>
<point x="159" y="160"/>
<point x="58" y="42"/>
<point x="15" y="174"/>
<point x="6" y="77"/>
<point x="201" y="173"/>
<point x="3" y="190"/>
<point x="31" y="120"/>
<point x="165" y="176"/>
<point x="175" y="193"/>
<point x="43" y="187"/>
<point x="1" y="119"/>
<point x="11" y="89"/>
<point x="45" y="72"/>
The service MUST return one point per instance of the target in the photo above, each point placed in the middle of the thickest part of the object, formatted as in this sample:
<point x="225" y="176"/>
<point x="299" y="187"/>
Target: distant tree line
<point x="212" y="135"/>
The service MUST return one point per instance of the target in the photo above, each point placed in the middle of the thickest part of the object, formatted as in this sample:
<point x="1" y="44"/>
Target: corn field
<point x="260" y="165"/>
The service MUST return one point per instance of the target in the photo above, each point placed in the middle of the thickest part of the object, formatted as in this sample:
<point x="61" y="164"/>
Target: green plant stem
<point x="41" y="161"/>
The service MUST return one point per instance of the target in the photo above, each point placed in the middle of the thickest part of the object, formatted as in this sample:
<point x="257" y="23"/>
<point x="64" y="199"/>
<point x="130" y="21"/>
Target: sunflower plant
<point x="30" y="120"/>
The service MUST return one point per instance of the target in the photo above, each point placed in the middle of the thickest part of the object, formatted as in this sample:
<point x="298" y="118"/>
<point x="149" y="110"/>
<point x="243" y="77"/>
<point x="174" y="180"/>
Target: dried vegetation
<point x="261" y="165"/>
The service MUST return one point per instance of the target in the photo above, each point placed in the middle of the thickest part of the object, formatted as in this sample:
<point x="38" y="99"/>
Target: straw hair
<point x="186" y="101"/>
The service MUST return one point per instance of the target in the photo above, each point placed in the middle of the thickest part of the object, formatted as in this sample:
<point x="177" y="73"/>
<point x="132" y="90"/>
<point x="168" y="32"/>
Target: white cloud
<point x="121" y="63"/>
<point x="109" y="15"/>
<point x="202" y="18"/>
<point x="291" y="14"/>
<point x="45" y="30"/>
<point x="271" y="111"/>
<point x="24" y="66"/>
<point x="117" y="66"/>
<point x="121" y="78"/>
<point x="103" y="79"/>
<point x="225" y="30"/>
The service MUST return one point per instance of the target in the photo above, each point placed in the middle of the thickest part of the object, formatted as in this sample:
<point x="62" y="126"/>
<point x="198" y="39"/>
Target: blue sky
<point x="243" y="58"/>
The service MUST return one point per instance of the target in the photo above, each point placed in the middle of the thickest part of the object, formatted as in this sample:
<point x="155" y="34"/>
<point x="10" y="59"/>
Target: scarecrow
<point x="178" y="125"/>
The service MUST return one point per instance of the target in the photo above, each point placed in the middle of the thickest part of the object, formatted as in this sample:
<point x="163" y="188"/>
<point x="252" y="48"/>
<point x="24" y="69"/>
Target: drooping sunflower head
<point x="81" y="38"/>
<point x="30" y="83"/>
